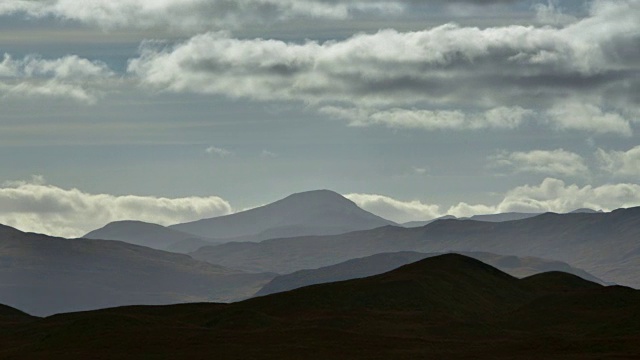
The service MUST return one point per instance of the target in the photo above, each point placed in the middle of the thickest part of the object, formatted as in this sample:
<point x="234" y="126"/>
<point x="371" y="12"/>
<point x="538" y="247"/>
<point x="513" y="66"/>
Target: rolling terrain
<point x="320" y="212"/>
<point x="44" y="275"/>
<point x="447" y="306"/>
<point x="149" y="235"/>
<point x="604" y="244"/>
<point x="381" y="263"/>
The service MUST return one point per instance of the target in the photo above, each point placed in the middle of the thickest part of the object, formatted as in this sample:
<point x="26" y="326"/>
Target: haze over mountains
<point x="508" y="216"/>
<point x="318" y="212"/>
<point x="603" y="244"/>
<point x="447" y="306"/>
<point x="146" y="234"/>
<point x="43" y="275"/>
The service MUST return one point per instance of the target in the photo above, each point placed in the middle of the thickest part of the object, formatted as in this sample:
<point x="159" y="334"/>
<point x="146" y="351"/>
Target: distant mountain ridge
<point x="603" y="244"/>
<point x="499" y="217"/>
<point x="319" y="212"/>
<point x="43" y="275"/>
<point x="145" y="234"/>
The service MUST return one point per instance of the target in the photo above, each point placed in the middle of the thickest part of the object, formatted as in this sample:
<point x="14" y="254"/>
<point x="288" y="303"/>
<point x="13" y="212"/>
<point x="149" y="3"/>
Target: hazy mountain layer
<point x="44" y="275"/>
<point x="150" y="235"/>
<point x="603" y="244"/>
<point x="380" y="263"/>
<point x="320" y="212"/>
<point x="445" y="307"/>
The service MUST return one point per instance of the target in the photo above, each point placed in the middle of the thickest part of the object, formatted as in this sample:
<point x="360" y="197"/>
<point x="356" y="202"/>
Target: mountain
<point x="150" y="235"/>
<point x="508" y="216"/>
<point x="585" y="211"/>
<point x="443" y="307"/>
<point x="320" y="212"/>
<point x="426" y="222"/>
<point x="381" y="263"/>
<point x="44" y="275"/>
<point x="603" y="244"/>
<point x="10" y="316"/>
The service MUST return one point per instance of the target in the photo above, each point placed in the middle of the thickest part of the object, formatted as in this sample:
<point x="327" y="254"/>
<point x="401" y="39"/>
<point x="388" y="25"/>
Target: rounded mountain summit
<point x="318" y="212"/>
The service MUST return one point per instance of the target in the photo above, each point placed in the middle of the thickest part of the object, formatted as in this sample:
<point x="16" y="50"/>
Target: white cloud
<point x="193" y="15"/>
<point x="620" y="163"/>
<point x="575" y="115"/>
<point x="67" y="77"/>
<point x="552" y="14"/>
<point x="551" y="194"/>
<point x="419" y="170"/>
<point x="550" y="162"/>
<point x="268" y="154"/>
<point x="447" y="77"/>
<point x="36" y="207"/>
<point x="497" y="118"/>
<point x="395" y="210"/>
<point x="555" y="196"/>
<point x="218" y="151"/>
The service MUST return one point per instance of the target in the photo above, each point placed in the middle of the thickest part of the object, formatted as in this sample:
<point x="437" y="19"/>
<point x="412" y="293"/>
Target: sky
<point x="173" y="110"/>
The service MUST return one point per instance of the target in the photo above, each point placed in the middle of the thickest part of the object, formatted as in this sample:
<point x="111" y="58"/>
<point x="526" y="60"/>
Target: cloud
<point x="395" y="210"/>
<point x="551" y="194"/>
<point x="194" y="15"/>
<point x="497" y="118"/>
<point x="36" y="207"/>
<point x="575" y="115"/>
<point x="69" y="77"/>
<point x="268" y="154"/>
<point x="556" y="196"/>
<point x="580" y="76"/>
<point x="552" y="14"/>
<point x="620" y="163"/>
<point x="218" y="151"/>
<point x="550" y="162"/>
<point x="419" y="170"/>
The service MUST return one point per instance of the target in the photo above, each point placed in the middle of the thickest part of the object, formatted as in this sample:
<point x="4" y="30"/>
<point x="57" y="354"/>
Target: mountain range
<point x="44" y="275"/>
<point x="603" y="244"/>
<point x="381" y="263"/>
<point x="318" y="212"/>
<point x="448" y="306"/>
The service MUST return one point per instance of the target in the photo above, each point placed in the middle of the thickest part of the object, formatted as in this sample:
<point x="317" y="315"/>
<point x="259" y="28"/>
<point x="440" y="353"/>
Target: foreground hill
<point x="43" y="275"/>
<point x="448" y="307"/>
<point x="320" y="212"/>
<point x="381" y="263"/>
<point x="146" y="234"/>
<point x="603" y="244"/>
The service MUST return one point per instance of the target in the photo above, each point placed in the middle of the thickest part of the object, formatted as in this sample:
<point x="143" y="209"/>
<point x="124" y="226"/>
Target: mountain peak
<point x="306" y="200"/>
<point x="316" y="212"/>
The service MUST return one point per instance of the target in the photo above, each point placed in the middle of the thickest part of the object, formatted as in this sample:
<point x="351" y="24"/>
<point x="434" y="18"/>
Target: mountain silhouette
<point x="448" y="306"/>
<point x="43" y="275"/>
<point x="147" y="234"/>
<point x="380" y="263"/>
<point x="319" y="212"/>
<point x="603" y="244"/>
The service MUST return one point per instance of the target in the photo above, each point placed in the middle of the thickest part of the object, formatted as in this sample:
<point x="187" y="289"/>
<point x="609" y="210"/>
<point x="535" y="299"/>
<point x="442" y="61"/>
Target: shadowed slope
<point x="447" y="306"/>
<point x="43" y="275"/>
<point x="380" y="263"/>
